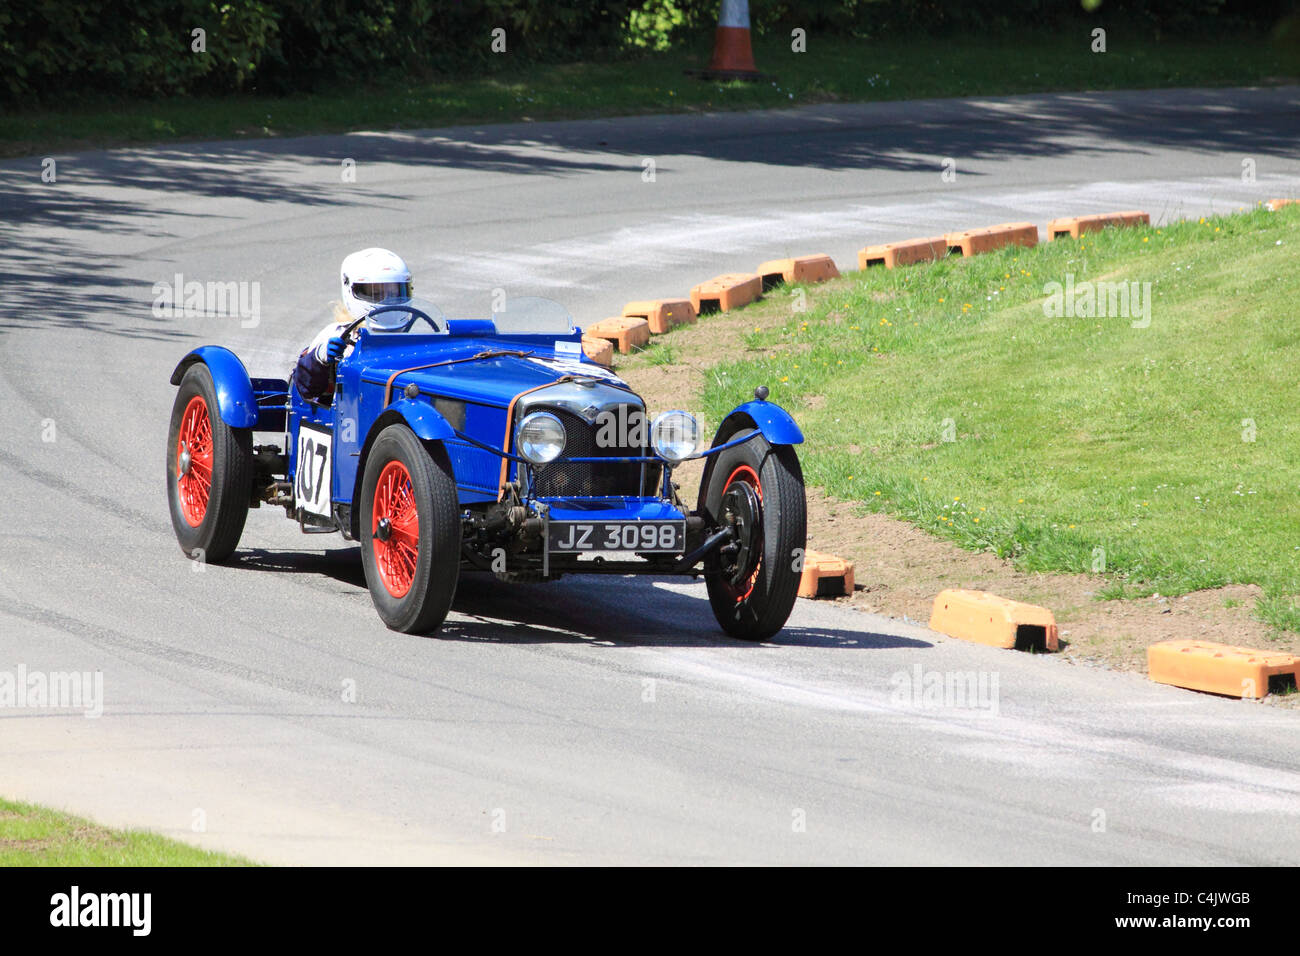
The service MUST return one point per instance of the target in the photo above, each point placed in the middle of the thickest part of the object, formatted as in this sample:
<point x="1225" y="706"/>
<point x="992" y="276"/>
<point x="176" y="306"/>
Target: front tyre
<point x="410" y="531"/>
<point x="209" y="471"/>
<point x="757" y="491"/>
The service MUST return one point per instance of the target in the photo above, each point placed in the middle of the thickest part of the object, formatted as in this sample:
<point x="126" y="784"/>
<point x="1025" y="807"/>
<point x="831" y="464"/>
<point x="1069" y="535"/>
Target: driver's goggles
<point x="381" y="291"/>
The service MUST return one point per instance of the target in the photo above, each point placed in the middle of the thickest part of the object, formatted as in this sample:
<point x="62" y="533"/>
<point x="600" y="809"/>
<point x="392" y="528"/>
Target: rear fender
<point x="235" y="398"/>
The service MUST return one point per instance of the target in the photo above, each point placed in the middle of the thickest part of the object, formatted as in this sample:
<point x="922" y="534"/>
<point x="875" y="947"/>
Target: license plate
<point x="578" y="537"/>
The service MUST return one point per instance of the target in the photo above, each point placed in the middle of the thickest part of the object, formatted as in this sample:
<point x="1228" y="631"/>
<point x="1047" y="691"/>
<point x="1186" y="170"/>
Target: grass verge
<point x="832" y="69"/>
<point x="35" y="836"/>
<point x="1159" y="454"/>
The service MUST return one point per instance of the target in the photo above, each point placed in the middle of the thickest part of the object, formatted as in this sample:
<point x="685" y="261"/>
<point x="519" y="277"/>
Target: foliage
<point x="56" y="50"/>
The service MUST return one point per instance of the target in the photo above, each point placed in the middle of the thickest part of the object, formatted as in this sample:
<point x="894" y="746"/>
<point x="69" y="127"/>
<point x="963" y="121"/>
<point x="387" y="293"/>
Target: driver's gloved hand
<point x="334" y="350"/>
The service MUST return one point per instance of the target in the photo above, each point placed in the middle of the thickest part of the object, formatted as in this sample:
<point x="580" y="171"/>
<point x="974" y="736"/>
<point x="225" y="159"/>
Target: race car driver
<point x="369" y="277"/>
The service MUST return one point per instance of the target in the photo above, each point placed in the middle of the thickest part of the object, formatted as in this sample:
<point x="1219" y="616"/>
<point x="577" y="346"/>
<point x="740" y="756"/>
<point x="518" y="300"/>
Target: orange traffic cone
<point x="733" y="57"/>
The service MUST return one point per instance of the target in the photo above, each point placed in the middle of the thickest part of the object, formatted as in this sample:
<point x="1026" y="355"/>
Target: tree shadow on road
<point x="144" y="194"/>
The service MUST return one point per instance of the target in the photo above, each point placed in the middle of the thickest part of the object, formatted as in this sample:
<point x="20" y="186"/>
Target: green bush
<point x="56" y="50"/>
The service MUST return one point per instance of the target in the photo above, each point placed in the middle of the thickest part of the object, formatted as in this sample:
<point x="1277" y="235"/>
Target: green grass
<point x="35" y="836"/>
<point x="831" y="69"/>
<point x="943" y="393"/>
<point x="660" y="353"/>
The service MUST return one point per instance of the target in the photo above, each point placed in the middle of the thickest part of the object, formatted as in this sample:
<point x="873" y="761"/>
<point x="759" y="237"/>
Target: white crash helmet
<point x="374" y="276"/>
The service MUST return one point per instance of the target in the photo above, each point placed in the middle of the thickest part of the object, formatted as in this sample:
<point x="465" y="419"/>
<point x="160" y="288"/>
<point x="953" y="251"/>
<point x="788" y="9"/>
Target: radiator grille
<point x="593" y="479"/>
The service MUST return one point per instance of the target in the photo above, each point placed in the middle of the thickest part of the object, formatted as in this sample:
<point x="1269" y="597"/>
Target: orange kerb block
<point x="825" y="575"/>
<point x="817" y="268"/>
<point x="726" y="292"/>
<point x="1076" y="226"/>
<point x="1217" y="668"/>
<point x="972" y="242"/>
<point x="600" y="351"/>
<point x="661" y="314"/>
<point x="988" y="619"/>
<point x="903" y="253"/>
<point x="626" y="333"/>
<point x="1275" y="204"/>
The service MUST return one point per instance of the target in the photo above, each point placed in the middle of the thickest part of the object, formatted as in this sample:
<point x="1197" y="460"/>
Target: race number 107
<point x="312" y="481"/>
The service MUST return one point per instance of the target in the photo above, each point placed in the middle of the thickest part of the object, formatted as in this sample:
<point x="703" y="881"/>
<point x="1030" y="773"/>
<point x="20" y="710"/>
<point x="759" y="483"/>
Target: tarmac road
<point x="592" y="720"/>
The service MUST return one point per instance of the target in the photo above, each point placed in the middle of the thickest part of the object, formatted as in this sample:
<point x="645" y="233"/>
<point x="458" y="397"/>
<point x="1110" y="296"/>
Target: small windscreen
<point x="532" y="315"/>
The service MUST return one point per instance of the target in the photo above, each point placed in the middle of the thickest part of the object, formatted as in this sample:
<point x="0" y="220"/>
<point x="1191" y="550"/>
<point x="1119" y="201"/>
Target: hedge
<point x="55" y="50"/>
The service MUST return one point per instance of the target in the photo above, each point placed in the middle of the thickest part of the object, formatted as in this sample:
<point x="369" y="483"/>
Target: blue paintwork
<point x="423" y="419"/>
<point x="300" y="411"/>
<point x="772" y="420"/>
<point x="612" y="509"/>
<point x="462" y="328"/>
<point x="466" y="397"/>
<point x="271" y="394"/>
<point x="235" y="398"/>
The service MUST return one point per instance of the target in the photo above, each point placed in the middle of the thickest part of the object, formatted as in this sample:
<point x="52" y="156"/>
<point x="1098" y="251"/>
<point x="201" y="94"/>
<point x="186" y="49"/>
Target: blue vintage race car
<point x="494" y="445"/>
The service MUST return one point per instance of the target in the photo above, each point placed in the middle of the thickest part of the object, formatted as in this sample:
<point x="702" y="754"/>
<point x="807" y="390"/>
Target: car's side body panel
<point x="467" y="395"/>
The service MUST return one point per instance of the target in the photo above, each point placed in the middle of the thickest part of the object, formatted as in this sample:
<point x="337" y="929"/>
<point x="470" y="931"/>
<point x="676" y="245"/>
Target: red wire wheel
<point x="209" y="470"/>
<point x="745" y="475"/>
<point x="411" y="548"/>
<point x="194" y="461"/>
<point x="395" y="525"/>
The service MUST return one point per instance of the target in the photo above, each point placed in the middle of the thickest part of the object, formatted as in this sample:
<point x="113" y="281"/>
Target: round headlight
<point x="540" y="438"/>
<point x="675" y="435"/>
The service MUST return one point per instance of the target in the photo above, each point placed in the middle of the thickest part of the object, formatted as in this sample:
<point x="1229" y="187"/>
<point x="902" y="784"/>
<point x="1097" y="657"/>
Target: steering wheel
<point x="349" y="333"/>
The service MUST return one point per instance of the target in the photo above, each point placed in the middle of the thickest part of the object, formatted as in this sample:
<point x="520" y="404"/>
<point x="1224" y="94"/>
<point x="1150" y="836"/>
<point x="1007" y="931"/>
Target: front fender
<point x="235" y="398"/>
<point x="772" y="421"/>
<point x="425" y="420"/>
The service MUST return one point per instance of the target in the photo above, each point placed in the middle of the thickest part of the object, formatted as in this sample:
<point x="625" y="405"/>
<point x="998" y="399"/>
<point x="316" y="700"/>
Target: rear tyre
<point x="410" y="531"/>
<point x="757" y="490"/>
<point x="209" y="471"/>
